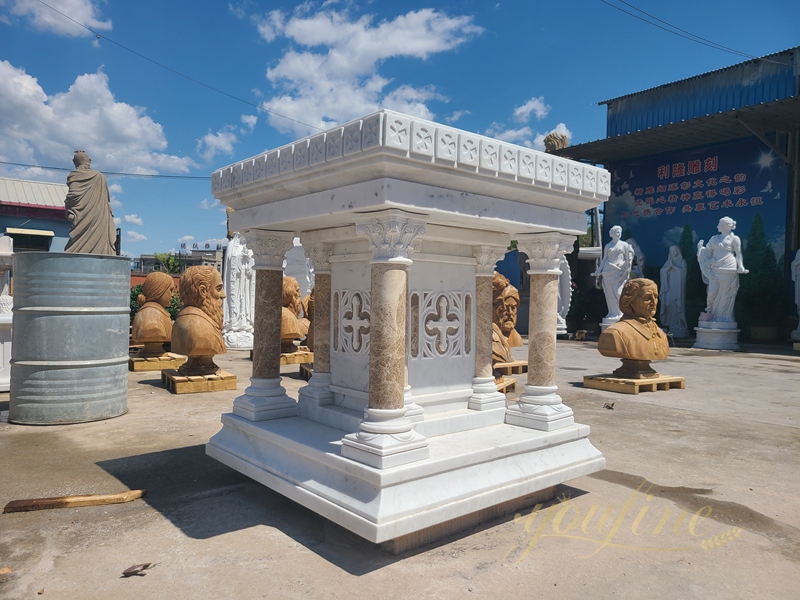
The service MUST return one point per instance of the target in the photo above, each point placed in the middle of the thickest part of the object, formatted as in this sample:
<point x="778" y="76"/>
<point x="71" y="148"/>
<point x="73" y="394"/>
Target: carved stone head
<point x="291" y="295"/>
<point x="639" y="298"/>
<point x="81" y="160"/>
<point x="158" y="287"/>
<point x="505" y="302"/>
<point x="202" y="288"/>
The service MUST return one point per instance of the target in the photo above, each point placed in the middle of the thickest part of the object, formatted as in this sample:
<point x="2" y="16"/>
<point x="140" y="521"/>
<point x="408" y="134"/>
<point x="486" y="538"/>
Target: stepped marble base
<point x="717" y="335"/>
<point x="466" y="471"/>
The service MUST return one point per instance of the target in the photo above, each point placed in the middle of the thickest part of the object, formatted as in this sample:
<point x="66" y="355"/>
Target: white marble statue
<point x="796" y="279"/>
<point x="240" y="293"/>
<point x="672" y="296"/>
<point x="6" y="315"/>
<point x="564" y="295"/>
<point x="637" y="269"/>
<point x="721" y="264"/>
<point x="615" y="269"/>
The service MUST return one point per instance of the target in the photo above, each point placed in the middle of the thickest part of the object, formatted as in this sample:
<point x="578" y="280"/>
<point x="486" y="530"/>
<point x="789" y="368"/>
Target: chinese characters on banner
<point x="692" y="186"/>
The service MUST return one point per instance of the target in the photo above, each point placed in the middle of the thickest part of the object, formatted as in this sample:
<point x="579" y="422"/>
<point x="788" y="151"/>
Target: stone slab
<point x="156" y="363"/>
<point x="179" y="384"/>
<point x="466" y="472"/>
<point x="633" y="386"/>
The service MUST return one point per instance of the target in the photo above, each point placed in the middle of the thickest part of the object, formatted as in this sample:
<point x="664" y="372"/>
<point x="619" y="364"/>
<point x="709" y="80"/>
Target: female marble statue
<point x="88" y="209"/>
<point x="615" y="269"/>
<point x="564" y="295"/>
<point x="240" y="291"/>
<point x="796" y="279"/>
<point x="673" y="294"/>
<point x="152" y="325"/>
<point x="721" y="264"/>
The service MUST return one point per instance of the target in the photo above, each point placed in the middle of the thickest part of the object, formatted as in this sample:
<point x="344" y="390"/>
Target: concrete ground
<point x="699" y="500"/>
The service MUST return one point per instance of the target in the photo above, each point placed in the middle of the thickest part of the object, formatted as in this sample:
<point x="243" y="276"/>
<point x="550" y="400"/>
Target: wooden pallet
<point x="306" y="371"/>
<point x="156" y="363"/>
<point x="633" y="386"/>
<point x="506" y="385"/>
<point x="796" y="346"/>
<point x="297" y="358"/>
<point x="515" y="367"/>
<point x="179" y="384"/>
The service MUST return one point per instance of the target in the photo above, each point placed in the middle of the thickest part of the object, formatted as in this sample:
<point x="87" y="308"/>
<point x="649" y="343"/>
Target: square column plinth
<point x="401" y="431"/>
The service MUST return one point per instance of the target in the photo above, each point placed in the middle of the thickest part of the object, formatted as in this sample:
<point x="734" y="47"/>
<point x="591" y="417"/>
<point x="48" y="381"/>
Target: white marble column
<point x="539" y="406"/>
<point x="265" y="398"/>
<point x="386" y="437"/>
<point x="484" y="390"/>
<point x="318" y="392"/>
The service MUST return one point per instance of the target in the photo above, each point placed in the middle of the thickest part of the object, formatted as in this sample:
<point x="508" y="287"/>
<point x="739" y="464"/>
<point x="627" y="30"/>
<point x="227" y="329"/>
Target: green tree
<point x="173" y="309"/>
<point x="169" y="262"/>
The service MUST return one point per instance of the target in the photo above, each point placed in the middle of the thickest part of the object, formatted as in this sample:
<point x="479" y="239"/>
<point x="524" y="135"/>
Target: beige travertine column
<point x="265" y="398"/>
<point x="318" y="392"/>
<point x="539" y="406"/>
<point x="386" y="437"/>
<point x="484" y="390"/>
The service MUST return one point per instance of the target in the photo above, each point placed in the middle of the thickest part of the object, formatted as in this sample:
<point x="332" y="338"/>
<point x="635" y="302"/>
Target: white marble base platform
<point x="466" y="471"/>
<point x="717" y="335"/>
<point x="5" y="351"/>
<point x="606" y="322"/>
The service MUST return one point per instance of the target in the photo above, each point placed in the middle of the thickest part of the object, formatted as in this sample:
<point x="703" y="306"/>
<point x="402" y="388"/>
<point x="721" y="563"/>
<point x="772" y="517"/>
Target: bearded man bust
<point x="636" y="338"/>
<point x="505" y="302"/>
<point x="197" y="330"/>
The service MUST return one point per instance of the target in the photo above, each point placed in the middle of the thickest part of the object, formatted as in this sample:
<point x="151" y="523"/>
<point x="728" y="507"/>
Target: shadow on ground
<point x="204" y="499"/>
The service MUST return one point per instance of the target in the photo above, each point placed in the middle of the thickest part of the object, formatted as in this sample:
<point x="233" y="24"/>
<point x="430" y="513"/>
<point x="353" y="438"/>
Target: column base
<point x="386" y="439"/>
<point x="414" y="412"/>
<point x="540" y="408"/>
<point x="318" y="391"/>
<point x="264" y="399"/>
<point x="485" y="395"/>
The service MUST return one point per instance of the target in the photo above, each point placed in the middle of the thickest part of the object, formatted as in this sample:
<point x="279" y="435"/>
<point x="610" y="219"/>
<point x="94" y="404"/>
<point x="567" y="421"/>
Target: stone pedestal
<point x="717" y="335"/>
<point x="606" y="322"/>
<point x="401" y="429"/>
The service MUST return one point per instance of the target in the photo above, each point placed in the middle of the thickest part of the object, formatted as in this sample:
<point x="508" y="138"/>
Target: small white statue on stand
<point x="615" y="269"/>
<point x="672" y="299"/>
<point x="721" y="264"/>
<point x="796" y="279"/>
<point x="564" y="296"/>
<point x="240" y="292"/>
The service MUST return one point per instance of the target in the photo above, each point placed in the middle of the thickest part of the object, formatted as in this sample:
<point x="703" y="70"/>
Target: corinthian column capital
<point x="269" y="247"/>
<point x="545" y="251"/>
<point x="486" y="258"/>
<point x="392" y="237"/>
<point x="320" y="256"/>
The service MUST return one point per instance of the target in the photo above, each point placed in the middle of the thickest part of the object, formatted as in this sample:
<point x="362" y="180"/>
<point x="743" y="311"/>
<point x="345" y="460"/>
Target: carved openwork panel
<point x="439" y="323"/>
<point x="352" y="313"/>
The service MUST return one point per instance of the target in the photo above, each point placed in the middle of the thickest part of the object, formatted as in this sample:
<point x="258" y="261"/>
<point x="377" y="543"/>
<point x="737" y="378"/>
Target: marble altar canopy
<point x="401" y="427"/>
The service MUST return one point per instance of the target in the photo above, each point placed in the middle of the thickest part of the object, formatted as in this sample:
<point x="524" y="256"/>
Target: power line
<point x="190" y="177"/>
<point x="675" y="31"/>
<point x="171" y="70"/>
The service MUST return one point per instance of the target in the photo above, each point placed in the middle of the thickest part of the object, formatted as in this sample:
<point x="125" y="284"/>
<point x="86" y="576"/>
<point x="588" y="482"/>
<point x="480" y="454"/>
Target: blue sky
<point x="512" y="70"/>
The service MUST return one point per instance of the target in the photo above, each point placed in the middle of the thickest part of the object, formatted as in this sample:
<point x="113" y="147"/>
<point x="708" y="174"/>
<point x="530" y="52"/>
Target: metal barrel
<point x="69" y="349"/>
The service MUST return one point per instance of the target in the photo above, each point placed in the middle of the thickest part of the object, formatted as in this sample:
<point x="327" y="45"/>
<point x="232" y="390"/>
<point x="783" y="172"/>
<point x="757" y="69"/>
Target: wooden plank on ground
<point x="72" y="501"/>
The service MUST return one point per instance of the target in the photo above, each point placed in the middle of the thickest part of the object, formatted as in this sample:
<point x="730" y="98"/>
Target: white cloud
<point x="339" y="80"/>
<point x="133" y="220"/>
<point x="114" y="202"/>
<point x="271" y="25"/>
<point x="515" y="136"/>
<point x="457" y="115"/>
<point x="117" y="221"/>
<point x="46" y="19"/>
<point x="207" y="204"/>
<point x="186" y="239"/>
<point x="220" y="142"/>
<point x="115" y="188"/>
<point x="249" y="122"/>
<point x="535" y="106"/>
<point x="39" y="128"/>
<point x="134" y="236"/>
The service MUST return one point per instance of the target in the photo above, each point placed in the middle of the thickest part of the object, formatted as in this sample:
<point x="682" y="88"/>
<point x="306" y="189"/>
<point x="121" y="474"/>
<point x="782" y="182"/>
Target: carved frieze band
<point x="353" y="321"/>
<point x="486" y="258"/>
<point x="320" y="256"/>
<point x="545" y="251"/>
<point x="392" y="238"/>
<point x="269" y="247"/>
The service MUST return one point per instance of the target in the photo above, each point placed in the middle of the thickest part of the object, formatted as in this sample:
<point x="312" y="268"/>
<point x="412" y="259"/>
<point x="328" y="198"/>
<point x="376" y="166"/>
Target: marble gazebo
<point x="401" y="430"/>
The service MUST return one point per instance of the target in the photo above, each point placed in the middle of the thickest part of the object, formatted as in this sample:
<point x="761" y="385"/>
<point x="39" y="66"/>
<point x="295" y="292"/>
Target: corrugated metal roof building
<point x="723" y="143"/>
<point x="32" y="213"/>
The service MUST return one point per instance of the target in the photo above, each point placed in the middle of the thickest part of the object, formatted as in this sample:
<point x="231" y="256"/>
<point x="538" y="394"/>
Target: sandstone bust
<point x="152" y="325"/>
<point x="292" y="327"/>
<point x="197" y="330"/>
<point x="505" y="302"/>
<point x="636" y="338"/>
